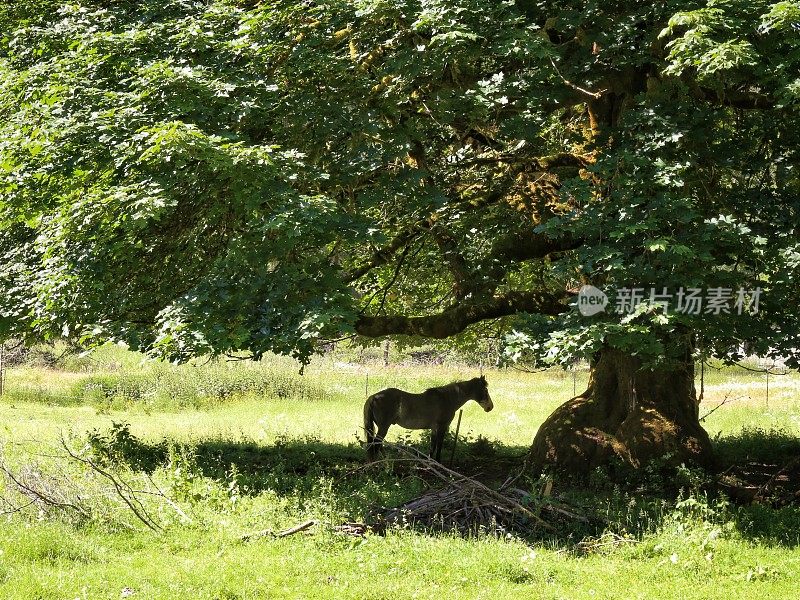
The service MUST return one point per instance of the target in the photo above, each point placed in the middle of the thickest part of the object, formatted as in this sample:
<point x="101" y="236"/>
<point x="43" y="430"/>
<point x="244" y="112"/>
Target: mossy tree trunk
<point x="629" y="413"/>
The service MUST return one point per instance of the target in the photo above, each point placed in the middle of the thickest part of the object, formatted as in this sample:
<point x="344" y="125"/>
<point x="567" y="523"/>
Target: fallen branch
<point x="280" y="534"/>
<point x="353" y="529"/>
<point x="763" y="490"/>
<point x="607" y="540"/>
<point x="13" y="508"/>
<point x="464" y="504"/>
<point x="174" y="505"/>
<point x="37" y="495"/>
<point x="121" y="487"/>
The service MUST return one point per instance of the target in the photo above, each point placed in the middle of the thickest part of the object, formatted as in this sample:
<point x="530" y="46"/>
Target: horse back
<point x="412" y="411"/>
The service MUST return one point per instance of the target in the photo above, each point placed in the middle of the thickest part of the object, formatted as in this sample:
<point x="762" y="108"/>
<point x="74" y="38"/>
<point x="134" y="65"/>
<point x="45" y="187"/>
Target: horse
<point x="433" y="409"/>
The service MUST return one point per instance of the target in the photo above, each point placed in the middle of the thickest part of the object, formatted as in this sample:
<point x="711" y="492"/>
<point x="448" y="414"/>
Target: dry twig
<point x="354" y="529"/>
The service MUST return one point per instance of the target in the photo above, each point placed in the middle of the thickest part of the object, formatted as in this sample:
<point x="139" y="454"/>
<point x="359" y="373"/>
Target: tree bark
<point x="627" y="413"/>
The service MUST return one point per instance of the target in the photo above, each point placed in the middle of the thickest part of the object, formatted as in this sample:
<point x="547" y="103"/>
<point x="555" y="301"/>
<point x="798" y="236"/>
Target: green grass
<point x="260" y="401"/>
<point x="400" y="566"/>
<point x="51" y="561"/>
<point x="245" y="447"/>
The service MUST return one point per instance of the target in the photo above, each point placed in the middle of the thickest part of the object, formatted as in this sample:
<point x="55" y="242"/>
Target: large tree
<point x="195" y="176"/>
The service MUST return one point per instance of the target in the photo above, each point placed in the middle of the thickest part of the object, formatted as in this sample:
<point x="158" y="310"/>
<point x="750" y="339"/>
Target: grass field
<point x="240" y="447"/>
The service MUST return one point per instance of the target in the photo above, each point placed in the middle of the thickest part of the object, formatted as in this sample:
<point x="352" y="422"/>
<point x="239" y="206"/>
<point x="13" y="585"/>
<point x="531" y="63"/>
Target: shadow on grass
<point x="308" y="468"/>
<point x="307" y="472"/>
<point x="256" y="464"/>
<point x="760" y="470"/>
<point x="754" y="444"/>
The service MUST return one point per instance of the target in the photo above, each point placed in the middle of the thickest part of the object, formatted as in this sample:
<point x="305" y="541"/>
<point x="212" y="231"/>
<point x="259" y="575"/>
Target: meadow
<point x="216" y="450"/>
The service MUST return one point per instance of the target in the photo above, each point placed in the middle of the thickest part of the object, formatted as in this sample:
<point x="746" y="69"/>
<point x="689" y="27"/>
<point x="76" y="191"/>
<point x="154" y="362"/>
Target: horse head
<point x="483" y="397"/>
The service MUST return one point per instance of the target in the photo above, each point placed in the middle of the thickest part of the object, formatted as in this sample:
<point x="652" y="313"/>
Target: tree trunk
<point x="628" y="413"/>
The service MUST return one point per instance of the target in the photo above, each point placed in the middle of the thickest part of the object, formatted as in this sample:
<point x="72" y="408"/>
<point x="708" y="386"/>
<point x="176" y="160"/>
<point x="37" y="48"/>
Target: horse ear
<point x="483" y="378"/>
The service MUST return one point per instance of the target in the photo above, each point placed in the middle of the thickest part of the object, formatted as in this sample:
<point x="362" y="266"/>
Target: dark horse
<point x="432" y="409"/>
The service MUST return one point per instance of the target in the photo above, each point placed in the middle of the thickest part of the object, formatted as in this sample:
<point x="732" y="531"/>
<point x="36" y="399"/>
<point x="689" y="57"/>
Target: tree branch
<point x="385" y="254"/>
<point x="462" y="275"/>
<point x="459" y="316"/>
<point x="515" y="247"/>
<point x="747" y="100"/>
<point x="537" y="163"/>
<point x="521" y="247"/>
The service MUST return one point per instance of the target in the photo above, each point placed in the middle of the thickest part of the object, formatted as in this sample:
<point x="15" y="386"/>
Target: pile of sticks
<point x="763" y="483"/>
<point x="467" y="506"/>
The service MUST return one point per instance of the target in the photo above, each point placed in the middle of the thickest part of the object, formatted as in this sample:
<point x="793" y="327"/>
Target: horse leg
<point x="437" y="440"/>
<point x="442" y="430"/>
<point x="377" y="444"/>
<point x="432" y="452"/>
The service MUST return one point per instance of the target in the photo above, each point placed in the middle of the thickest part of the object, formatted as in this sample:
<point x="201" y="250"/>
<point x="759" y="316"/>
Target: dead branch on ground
<point x="468" y="506"/>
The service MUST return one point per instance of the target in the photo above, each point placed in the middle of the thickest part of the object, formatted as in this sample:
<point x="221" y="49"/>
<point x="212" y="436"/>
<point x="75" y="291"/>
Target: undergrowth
<point x="222" y="479"/>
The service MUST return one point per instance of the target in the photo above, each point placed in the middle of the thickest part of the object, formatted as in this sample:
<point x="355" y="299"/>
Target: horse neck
<point x="462" y="395"/>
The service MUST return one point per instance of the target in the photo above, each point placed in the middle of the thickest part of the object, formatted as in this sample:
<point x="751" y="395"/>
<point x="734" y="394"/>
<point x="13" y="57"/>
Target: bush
<point x="118" y="446"/>
<point x="176" y="386"/>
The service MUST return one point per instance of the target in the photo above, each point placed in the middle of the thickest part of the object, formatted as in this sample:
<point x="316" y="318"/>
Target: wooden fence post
<point x="386" y="352"/>
<point x="455" y="439"/>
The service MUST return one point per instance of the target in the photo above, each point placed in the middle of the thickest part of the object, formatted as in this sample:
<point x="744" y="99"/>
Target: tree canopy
<point x="193" y="176"/>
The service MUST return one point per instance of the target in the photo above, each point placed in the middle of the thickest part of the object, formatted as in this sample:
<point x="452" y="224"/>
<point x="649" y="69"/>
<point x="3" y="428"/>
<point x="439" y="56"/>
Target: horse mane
<point x="453" y="386"/>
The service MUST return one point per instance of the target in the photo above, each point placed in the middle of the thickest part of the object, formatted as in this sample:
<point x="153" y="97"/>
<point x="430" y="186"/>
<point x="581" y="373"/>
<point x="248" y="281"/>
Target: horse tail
<point x="369" y="426"/>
